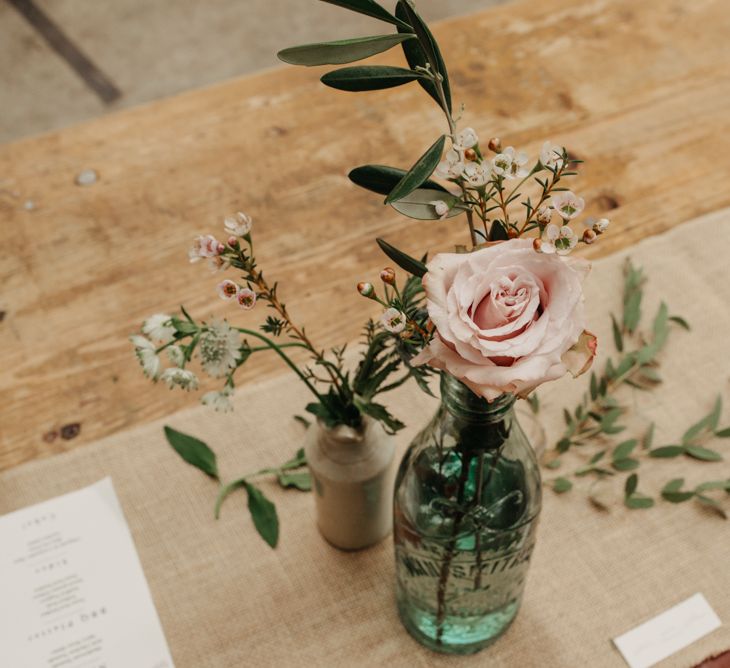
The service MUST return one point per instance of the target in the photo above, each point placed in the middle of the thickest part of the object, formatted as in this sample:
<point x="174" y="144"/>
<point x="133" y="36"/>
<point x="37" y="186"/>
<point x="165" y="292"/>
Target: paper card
<point x="668" y="632"/>
<point x="72" y="590"/>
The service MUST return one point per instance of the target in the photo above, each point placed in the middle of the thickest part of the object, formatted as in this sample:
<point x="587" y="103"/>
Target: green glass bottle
<point x="467" y="501"/>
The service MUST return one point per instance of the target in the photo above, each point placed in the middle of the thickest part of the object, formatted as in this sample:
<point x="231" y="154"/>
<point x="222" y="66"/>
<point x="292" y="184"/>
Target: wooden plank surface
<point x="638" y="90"/>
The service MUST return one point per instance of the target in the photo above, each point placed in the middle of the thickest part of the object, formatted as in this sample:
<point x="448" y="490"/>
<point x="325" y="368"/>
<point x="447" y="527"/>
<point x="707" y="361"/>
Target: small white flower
<point x="477" y="174"/>
<point x="558" y="240"/>
<point x="441" y="208"/>
<point x="238" y="224"/>
<point x="567" y="204"/>
<point x="467" y="138"/>
<point x="159" y="327"/>
<point x="246" y="298"/>
<point x="598" y="226"/>
<point x="204" y="246"/>
<point x="219" y="348"/>
<point x="146" y="353"/>
<point x="551" y="155"/>
<point x="218" y="263"/>
<point x="510" y="164"/>
<point x="544" y="215"/>
<point x="393" y="320"/>
<point x="219" y="401"/>
<point x="181" y="378"/>
<point x="227" y="290"/>
<point x="451" y="166"/>
<point x="176" y="355"/>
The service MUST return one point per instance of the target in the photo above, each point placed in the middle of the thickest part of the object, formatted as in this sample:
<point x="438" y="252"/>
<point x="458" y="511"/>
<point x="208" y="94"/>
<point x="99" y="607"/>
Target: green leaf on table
<point x="553" y="464"/>
<point x="193" y="451"/>
<point x="712" y="485"/>
<point x="667" y="451"/>
<point x="712" y="504"/>
<point x="594" y="386"/>
<point x="650" y="374"/>
<point x="264" y="516"/>
<point x="381" y="179"/>
<point x="403" y="260"/>
<point x="704" y="454"/>
<point x="680" y="321"/>
<point x="648" y="437"/>
<point x="300" y="480"/>
<point x="341" y="51"/>
<point x="369" y="8"/>
<point x="627" y="464"/>
<point x="562" y="485"/>
<point x="673" y="493"/>
<point x="418" y="204"/>
<point x="369" y="77"/>
<point x="723" y="433"/>
<point x="632" y="482"/>
<point x="632" y="311"/>
<point x="224" y="492"/>
<point x="597" y="457"/>
<point x="618" y="337"/>
<point x="423" y="51"/>
<point x="421" y="170"/>
<point x="623" y="450"/>
<point x="637" y="501"/>
<point x="298" y="460"/>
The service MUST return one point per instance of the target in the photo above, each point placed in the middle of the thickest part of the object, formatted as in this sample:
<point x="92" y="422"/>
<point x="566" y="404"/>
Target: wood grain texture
<point x="637" y="90"/>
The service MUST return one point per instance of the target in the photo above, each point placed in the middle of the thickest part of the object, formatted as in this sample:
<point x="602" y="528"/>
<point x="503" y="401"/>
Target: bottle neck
<point x="468" y="407"/>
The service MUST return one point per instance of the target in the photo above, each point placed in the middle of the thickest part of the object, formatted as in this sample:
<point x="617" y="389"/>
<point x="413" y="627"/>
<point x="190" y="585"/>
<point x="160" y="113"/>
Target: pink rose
<point x="507" y="318"/>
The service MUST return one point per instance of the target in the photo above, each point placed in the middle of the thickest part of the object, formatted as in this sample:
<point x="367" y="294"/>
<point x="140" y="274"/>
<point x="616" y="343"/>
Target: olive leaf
<point x="369" y="77"/>
<point x="672" y="491"/>
<point x="636" y="501"/>
<point x="632" y="482"/>
<point x="381" y="179"/>
<point x="618" y="337"/>
<point x="369" y="8"/>
<point x="193" y="451"/>
<point x="562" y="485"/>
<point x="421" y="170"/>
<point x="704" y="454"/>
<point x="341" y="51"/>
<point x="424" y="52"/>
<point x="403" y="260"/>
<point x="418" y="204"/>
<point x="667" y="451"/>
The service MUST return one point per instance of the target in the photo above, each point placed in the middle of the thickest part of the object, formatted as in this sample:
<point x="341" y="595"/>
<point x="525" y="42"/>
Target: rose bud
<point x="233" y="242"/>
<point x="470" y="154"/>
<point x="365" y="289"/>
<point x="589" y="236"/>
<point x="387" y="276"/>
<point x="495" y="144"/>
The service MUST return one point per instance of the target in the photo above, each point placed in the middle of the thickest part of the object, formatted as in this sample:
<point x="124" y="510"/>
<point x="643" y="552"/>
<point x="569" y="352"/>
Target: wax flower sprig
<point x="342" y="397"/>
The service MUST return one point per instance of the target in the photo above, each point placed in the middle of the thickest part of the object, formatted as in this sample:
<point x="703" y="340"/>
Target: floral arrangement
<point x="341" y="397"/>
<point x="508" y="315"/>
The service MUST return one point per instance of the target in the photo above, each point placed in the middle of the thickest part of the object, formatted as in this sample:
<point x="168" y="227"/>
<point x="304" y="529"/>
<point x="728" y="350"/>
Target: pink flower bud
<point x="589" y="236"/>
<point x="220" y="248"/>
<point x="233" y="242"/>
<point x="495" y="144"/>
<point x="387" y="276"/>
<point x="365" y="289"/>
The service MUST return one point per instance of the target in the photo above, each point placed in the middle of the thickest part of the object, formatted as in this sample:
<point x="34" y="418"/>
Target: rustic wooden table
<point x="637" y="90"/>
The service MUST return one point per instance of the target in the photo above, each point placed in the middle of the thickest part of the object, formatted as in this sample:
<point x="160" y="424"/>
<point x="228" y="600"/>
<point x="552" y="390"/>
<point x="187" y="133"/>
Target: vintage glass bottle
<point x="467" y="501"/>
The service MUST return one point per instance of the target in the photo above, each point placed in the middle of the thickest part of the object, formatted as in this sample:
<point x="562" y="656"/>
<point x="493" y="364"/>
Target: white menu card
<point x="72" y="590"/>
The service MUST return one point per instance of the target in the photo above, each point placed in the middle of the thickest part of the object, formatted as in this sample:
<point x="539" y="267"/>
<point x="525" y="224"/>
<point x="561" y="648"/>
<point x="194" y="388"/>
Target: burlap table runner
<point x="227" y="600"/>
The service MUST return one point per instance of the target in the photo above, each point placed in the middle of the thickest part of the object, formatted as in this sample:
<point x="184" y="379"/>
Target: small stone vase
<point x="353" y="474"/>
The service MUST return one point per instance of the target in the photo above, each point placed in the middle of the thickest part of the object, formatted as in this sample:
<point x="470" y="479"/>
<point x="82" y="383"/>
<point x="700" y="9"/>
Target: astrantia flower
<point x="465" y="139"/>
<point x="238" y="224"/>
<point x="441" y="208"/>
<point x="246" y="299"/>
<point x="567" y="204"/>
<point x="182" y="378"/>
<point x="204" y="246"/>
<point x="451" y="166"/>
<point x="477" y="174"/>
<point x="176" y="355"/>
<point x="510" y="163"/>
<point x="227" y="290"/>
<point x="551" y="155"/>
<point x="146" y="353"/>
<point x="219" y="401"/>
<point x="219" y="348"/>
<point x="159" y="327"/>
<point x="393" y="320"/>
